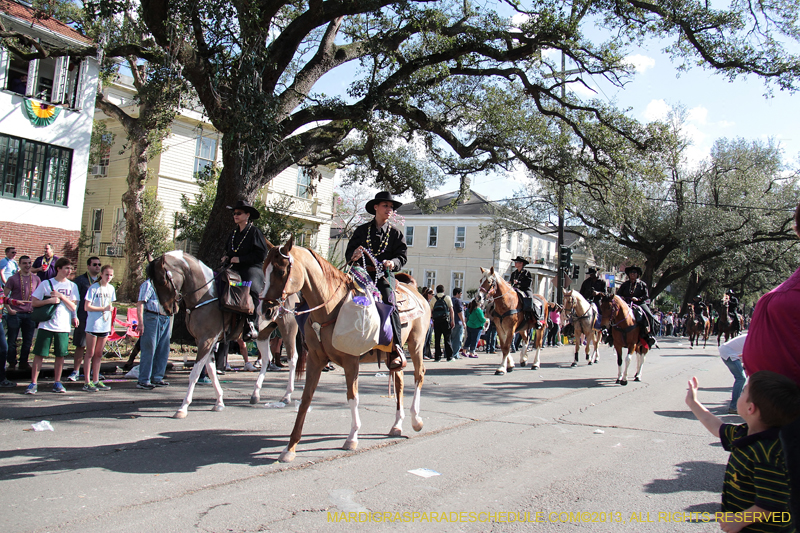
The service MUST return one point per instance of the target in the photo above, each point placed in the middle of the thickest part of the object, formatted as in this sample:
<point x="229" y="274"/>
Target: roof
<point x="31" y="18"/>
<point x="476" y="205"/>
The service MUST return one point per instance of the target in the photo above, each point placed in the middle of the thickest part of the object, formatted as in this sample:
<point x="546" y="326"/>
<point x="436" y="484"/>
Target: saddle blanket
<point x="407" y="306"/>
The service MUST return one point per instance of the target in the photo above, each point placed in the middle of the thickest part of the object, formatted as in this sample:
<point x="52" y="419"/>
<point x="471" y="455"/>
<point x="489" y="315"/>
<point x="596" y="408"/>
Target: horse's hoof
<point x="350" y="445"/>
<point x="287" y="456"/>
<point x="523" y="364"/>
<point x="623" y="382"/>
<point x="499" y="373"/>
<point x="180" y="415"/>
<point x="509" y="369"/>
<point x="589" y="363"/>
<point x="575" y="364"/>
<point x="218" y="408"/>
<point x="417" y="424"/>
<point x="617" y="382"/>
<point x="396" y="432"/>
<point x="534" y="367"/>
<point x="254" y="399"/>
<point x="286" y="399"/>
<point x="636" y="378"/>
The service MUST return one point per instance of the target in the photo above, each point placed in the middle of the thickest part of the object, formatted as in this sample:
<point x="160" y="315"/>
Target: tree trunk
<point x="135" y="251"/>
<point x="241" y="179"/>
<point x="695" y="286"/>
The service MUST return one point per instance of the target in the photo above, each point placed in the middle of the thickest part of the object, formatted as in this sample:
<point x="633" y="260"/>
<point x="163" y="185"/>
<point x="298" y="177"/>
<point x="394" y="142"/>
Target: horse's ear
<point x="491" y="270"/>
<point x="149" y="257"/>
<point x="483" y="270"/>
<point x="288" y="246"/>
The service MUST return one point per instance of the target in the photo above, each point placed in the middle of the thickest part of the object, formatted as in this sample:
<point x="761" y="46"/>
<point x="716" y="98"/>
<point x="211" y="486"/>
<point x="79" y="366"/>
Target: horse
<point x="289" y="269"/>
<point x="697" y="325"/>
<point x="725" y="325"/>
<point x="583" y="317"/>
<point x="617" y="315"/>
<point x="508" y="317"/>
<point x="178" y="276"/>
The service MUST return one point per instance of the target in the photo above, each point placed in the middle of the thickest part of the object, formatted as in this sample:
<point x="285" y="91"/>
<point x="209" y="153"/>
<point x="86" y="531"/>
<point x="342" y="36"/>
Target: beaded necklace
<point x="26" y="295"/>
<point x="46" y="263"/>
<point x="233" y="236"/>
<point x="382" y="244"/>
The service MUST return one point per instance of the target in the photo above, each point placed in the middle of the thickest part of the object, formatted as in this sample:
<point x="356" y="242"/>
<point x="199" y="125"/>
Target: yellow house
<point x="192" y="145"/>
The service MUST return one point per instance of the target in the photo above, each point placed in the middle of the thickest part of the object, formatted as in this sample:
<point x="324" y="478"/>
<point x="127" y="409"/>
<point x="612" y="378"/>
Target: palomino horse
<point x="583" y="317"/>
<point x="616" y="314"/>
<point x="697" y="325"/>
<point x="508" y="318"/>
<point x="289" y="269"/>
<point x="725" y="325"/>
<point x="179" y="276"/>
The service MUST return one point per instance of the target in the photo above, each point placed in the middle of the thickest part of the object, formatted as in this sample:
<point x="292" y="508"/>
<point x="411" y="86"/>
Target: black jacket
<point x="630" y="291"/>
<point x="590" y="286"/>
<point x="368" y="236"/>
<point x="522" y="280"/>
<point x="249" y="246"/>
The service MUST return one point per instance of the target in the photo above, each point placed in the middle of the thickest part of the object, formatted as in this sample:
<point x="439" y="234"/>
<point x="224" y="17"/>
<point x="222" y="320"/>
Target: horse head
<point x="168" y="274"/>
<point x="278" y="279"/>
<point x="569" y="302"/>
<point x="609" y="307"/>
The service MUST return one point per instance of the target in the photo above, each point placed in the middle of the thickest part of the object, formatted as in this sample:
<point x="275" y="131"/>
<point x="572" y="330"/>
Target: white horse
<point x="178" y="276"/>
<point x="583" y="316"/>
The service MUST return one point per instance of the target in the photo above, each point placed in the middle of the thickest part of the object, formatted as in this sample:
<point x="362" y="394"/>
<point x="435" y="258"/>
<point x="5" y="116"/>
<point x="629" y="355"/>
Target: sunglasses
<point x="95" y="264"/>
<point x="238" y="213"/>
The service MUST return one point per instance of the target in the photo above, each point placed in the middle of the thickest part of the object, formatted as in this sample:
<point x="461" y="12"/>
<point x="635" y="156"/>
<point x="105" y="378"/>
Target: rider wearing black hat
<point x="522" y="280"/>
<point x="699" y="306"/>
<point x="388" y="245"/>
<point x="593" y="288"/>
<point x="246" y="250"/>
<point x="634" y="290"/>
<point x="733" y="303"/>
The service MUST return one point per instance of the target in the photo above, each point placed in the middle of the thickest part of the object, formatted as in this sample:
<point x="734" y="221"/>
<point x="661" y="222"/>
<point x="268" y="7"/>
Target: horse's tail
<point x="402" y="277"/>
<point x="300" y="367"/>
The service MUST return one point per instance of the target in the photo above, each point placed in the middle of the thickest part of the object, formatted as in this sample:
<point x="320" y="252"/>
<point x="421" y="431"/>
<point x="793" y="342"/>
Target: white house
<point x="45" y="130"/>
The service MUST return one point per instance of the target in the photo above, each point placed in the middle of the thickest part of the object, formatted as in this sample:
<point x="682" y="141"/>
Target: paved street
<point x="553" y="441"/>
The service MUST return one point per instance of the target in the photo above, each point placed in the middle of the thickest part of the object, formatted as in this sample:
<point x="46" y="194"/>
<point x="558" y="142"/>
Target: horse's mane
<point x="402" y="277"/>
<point x="328" y="270"/>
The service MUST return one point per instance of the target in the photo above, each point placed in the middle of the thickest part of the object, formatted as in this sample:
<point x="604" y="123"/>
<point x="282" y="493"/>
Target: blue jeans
<point x="15" y="323"/>
<point x="473" y="334"/>
<point x="491" y="338"/>
<point x="3" y="352"/>
<point x="456" y="337"/>
<point x="154" y="343"/>
<point x="736" y="368"/>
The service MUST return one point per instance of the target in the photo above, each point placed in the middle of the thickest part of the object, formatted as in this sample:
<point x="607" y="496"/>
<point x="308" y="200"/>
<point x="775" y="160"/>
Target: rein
<point x="179" y="297"/>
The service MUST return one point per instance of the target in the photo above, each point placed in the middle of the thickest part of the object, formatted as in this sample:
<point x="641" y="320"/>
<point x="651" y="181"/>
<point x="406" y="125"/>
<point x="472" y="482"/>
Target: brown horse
<point x="725" y="325"/>
<point x="697" y="325"/>
<point x="509" y="319"/>
<point x="178" y="276"/>
<point x="616" y="314"/>
<point x="289" y="269"/>
<point x="583" y="317"/>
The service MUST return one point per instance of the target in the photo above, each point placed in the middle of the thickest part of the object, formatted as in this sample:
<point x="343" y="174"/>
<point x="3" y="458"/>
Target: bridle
<point x="177" y="295"/>
<point x="492" y="289"/>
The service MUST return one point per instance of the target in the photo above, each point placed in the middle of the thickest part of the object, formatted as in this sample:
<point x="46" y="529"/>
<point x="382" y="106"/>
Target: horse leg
<point x="523" y="351"/>
<point x="416" y="340"/>
<point x="351" y="378"/>
<point x="624" y="378"/>
<point x="291" y="355"/>
<point x="639" y="364"/>
<point x="316" y="361"/>
<point x="204" y="348"/>
<point x="505" y="348"/>
<point x="263" y="347"/>
<point x="577" y="347"/>
<point x="211" y="370"/>
<point x="397" y="428"/>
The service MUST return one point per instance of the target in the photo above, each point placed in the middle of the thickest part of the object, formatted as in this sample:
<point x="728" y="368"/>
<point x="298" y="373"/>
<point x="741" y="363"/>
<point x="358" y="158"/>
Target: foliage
<point x="101" y="142"/>
<point x="276" y="221"/>
<point x="155" y="231"/>
<point x="348" y="207"/>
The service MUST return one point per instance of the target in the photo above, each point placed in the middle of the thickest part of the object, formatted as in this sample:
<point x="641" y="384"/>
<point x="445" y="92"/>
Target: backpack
<point x="440" y="309"/>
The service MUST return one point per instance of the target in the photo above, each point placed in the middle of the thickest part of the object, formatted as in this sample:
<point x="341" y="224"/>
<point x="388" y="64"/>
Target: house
<point x="192" y="145"/>
<point x="445" y="246"/>
<point x="45" y="132"/>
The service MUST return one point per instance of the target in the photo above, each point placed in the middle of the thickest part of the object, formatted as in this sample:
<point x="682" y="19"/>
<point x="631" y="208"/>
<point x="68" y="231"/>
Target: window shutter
<point x="33" y="77"/>
<point x="3" y="68"/>
<point x="60" y="79"/>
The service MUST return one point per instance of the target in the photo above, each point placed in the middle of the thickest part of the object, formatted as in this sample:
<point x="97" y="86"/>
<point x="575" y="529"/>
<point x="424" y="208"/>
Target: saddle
<point x="234" y="294"/>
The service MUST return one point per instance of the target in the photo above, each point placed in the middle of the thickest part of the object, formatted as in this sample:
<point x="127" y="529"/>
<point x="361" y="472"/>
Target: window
<point x="306" y="239"/>
<point x="119" y="227"/>
<point x="456" y="280"/>
<point x="409" y="271"/>
<point x="34" y="171"/>
<point x="461" y="236"/>
<point x="206" y="153"/>
<point x="410" y="235"/>
<point x="101" y="169"/>
<point x="97" y="230"/>
<point x="430" y="279"/>
<point x="433" y="236"/>
<point x="303" y="184"/>
<point x="530" y="246"/>
<point x="54" y="79"/>
<point x="509" y="236"/>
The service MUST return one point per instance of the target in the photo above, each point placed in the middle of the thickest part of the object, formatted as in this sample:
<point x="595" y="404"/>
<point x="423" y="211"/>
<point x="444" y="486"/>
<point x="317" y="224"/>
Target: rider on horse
<point x="593" y="289"/>
<point x="634" y="290"/>
<point x="245" y="251"/>
<point x="521" y="280"/>
<point x="733" y="303"/>
<point x="387" y="244"/>
<point x="699" y="306"/>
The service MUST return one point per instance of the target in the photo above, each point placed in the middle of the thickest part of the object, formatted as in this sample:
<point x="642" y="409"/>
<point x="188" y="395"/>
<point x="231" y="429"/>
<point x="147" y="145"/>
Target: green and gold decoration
<point x="41" y="114"/>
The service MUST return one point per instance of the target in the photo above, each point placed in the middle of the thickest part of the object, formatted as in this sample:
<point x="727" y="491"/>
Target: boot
<point x="397" y="359"/>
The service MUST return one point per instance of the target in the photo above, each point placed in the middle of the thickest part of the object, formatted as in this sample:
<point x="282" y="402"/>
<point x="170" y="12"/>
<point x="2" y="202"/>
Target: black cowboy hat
<point x="520" y="259"/>
<point x="698" y="297"/>
<point x="590" y="271"/>
<point x="630" y="269"/>
<point x="245" y="206"/>
<point x="383" y="196"/>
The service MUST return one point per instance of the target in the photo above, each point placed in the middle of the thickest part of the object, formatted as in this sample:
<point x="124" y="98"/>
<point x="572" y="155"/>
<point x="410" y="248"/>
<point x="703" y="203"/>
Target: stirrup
<point x="396" y="360"/>
<point x="249" y="330"/>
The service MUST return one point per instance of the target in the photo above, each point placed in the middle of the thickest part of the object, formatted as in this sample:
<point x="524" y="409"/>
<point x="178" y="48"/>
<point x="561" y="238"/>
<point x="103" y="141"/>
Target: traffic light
<point x="569" y="258"/>
<point x="576" y="271"/>
<point x="562" y="256"/>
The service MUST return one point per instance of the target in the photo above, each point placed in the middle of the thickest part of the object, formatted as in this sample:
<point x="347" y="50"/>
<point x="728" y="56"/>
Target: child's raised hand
<point x="691" y="393"/>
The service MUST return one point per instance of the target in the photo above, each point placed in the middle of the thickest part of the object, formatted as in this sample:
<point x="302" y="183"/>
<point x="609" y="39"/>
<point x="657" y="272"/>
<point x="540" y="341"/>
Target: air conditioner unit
<point x="114" y="251"/>
<point x="99" y="170"/>
<point x="459" y="245"/>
